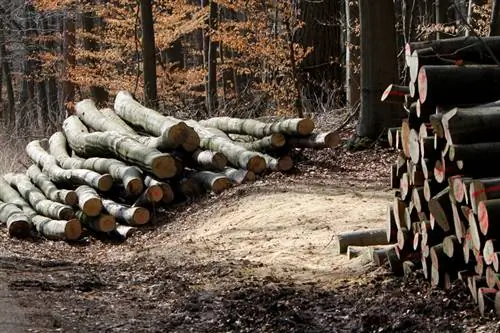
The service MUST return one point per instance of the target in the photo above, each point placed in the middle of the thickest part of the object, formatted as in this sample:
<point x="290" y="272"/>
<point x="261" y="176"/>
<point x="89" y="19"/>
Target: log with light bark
<point x="321" y="140"/>
<point x="89" y="200"/>
<point x="173" y="134"/>
<point x="126" y="231"/>
<point x="395" y="94"/>
<point x="216" y="140"/>
<point x="152" y="195"/>
<point x="126" y="214"/>
<point x="58" y="175"/>
<point x="475" y="84"/>
<point x="111" y="115"/>
<point x="129" y="176"/>
<point x="361" y="238"/>
<point x="211" y="181"/>
<point x="37" y="199"/>
<point x="259" y="129"/>
<point x="268" y="143"/>
<point x="471" y="125"/>
<point x="99" y="223"/>
<point x="281" y="163"/>
<point x="210" y="160"/>
<point x="238" y="176"/>
<point x="167" y="192"/>
<point x="103" y="144"/>
<point x="17" y="222"/>
<point x="42" y="181"/>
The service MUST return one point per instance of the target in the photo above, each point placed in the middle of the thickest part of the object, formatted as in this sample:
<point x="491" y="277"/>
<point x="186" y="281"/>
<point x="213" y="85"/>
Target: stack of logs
<point x="446" y="177"/>
<point x="108" y="170"/>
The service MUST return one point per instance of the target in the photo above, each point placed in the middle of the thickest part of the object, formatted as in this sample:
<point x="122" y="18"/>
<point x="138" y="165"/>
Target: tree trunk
<point x="238" y="176"/>
<point x="352" y="83"/>
<point x="167" y="192"/>
<point x="442" y="9"/>
<point x="69" y="42"/>
<point x="471" y="125"/>
<point x="89" y="20"/>
<point x="258" y="129"/>
<point x="378" y="67"/>
<point x="267" y="143"/>
<point x="9" y="117"/>
<point x="212" y="61"/>
<point x="48" y="25"/>
<point x="148" y="54"/>
<point x="211" y="181"/>
<point x="100" y="223"/>
<point x="495" y="21"/>
<point x="118" y="145"/>
<point x="42" y="181"/>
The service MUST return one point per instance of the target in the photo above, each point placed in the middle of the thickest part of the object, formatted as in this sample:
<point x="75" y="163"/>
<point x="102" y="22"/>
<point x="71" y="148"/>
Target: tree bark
<point x="9" y="118"/>
<point x="99" y="223"/>
<point x="378" y="67"/>
<point x="118" y="145"/>
<point x="361" y="238"/>
<point x="126" y="214"/>
<point x="211" y="181"/>
<point x="69" y="42"/>
<point x="148" y="53"/>
<point x="238" y="176"/>
<point x="320" y="140"/>
<point x="18" y="223"/>
<point x="352" y="83"/>
<point x="42" y="181"/>
<point x="212" y="61"/>
<point x="471" y="125"/>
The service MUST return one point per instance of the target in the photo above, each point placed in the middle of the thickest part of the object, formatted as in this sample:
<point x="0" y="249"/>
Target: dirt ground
<point x="258" y="258"/>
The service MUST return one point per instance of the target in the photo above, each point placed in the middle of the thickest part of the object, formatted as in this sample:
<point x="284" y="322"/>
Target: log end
<point x="285" y="163"/>
<point x="192" y="140"/>
<point x="73" y="229"/>
<point x="482" y="215"/>
<point x="332" y="140"/>
<point x="70" y="198"/>
<point x="219" y="160"/>
<point x="105" y="182"/>
<point x="133" y="185"/>
<point x="140" y="215"/>
<point x="92" y="207"/>
<point x="105" y="223"/>
<point x="422" y="85"/>
<point x="154" y="193"/>
<point x="256" y="164"/>
<point x="305" y="126"/>
<point x="167" y="193"/>
<point x="19" y="228"/>
<point x="163" y="166"/>
<point x="220" y="184"/>
<point x="278" y="140"/>
<point x="66" y="213"/>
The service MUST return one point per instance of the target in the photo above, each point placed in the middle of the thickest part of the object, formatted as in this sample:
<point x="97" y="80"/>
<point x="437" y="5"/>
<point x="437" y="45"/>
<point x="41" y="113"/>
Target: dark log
<point x="425" y="111"/>
<point x="395" y="94"/>
<point x="392" y="136"/>
<point x="418" y="199"/>
<point x="472" y="125"/>
<point x="99" y="223"/>
<point x="486" y="300"/>
<point x="440" y="208"/>
<point x="394" y="179"/>
<point x="414" y="146"/>
<point x="477" y="238"/>
<point x="488" y="213"/>
<point x="399" y="207"/>
<point x="483" y="189"/>
<point x="491" y="246"/>
<point x="391" y="228"/>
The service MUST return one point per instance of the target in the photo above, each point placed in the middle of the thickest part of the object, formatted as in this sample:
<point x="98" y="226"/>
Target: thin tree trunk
<point x="378" y="67"/>
<point x="495" y="21"/>
<point x="8" y="78"/>
<point x="212" y="62"/>
<point x="351" y="54"/>
<point x="48" y="25"/>
<point x="68" y="87"/>
<point x="148" y="54"/>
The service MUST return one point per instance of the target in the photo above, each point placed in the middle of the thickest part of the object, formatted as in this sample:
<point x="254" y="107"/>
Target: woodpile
<point x="109" y="170"/>
<point x="444" y="219"/>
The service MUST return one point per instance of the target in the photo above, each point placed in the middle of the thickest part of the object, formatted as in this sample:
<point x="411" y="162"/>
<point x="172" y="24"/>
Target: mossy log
<point x="88" y="200"/>
<point x="174" y="133"/>
<point x="99" y="223"/>
<point x="216" y="140"/>
<point x="103" y="144"/>
<point x="126" y="214"/>
<point x="211" y="181"/>
<point x="315" y="141"/>
<point x="17" y="222"/>
<point x="42" y="181"/>
<point x="238" y="176"/>
<point x="168" y="193"/>
<point x="259" y="129"/>
<point x="37" y="199"/>
<point x="129" y="176"/>
<point x="62" y="176"/>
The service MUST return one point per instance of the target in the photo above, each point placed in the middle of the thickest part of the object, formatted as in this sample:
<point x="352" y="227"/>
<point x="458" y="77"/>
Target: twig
<point x="349" y="117"/>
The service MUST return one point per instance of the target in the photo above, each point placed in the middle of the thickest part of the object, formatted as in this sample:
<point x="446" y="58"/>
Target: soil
<point x="258" y="258"/>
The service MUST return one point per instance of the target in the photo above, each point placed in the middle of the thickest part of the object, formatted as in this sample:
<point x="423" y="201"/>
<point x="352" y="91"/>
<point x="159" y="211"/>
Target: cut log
<point x="278" y="140"/>
<point x="126" y="214"/>
<point x="394" y="179"/>
<point x="129" y="176"/>
<point x="404" y="185"/>
<point x="483" y="189"/>
<point x="471" y="84"/>
<point x="392" y="136"/>
<point x="89" y="201"/>
<point x="414" y="146"/>
<point x="238" y="176"/>
<point x="391" y="228"/>
<point x="103" y="144"/>
<point x="395" y="264"/>
<point x="452" y="248"/>
<point x="258" y="129"/>
<point x="395" y="94"/>
<point x="488" y="213"/>
<point x="440" y="208"/>
<point x="17" y="222"/>
<point x="281" y="164"/>
<point x="211" y="181"/>
<point x="153" y="184"/>
<point x="151" y="195"/>
<point x="399" y="207"/>
<point x="37" y="199"/>
<point x="57" y="229"/>
<point x="405" y="133"/>
<point x="173" y="133"/>
<point x="418" y="199"/>
<point x="486" y="300"/>
<point x="126" y="231"/>
<point x="210" y="160"/>
<point x="59" y="175"/>
<point x="321" y="140"/>
<point x="49" y="189"/>
<point x="472" y="125"/>
<point x="111" y="115"/>
<point x="99" y="223"/>
<point x="437" y="125"/>
<point x="476" y="236"/>
<point x="491" y="246"/>
<point x="361" y="238"/>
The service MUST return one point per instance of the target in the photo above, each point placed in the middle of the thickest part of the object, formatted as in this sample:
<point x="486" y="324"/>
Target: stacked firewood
<point x="447" y="182"/>
<point x="108" y="170"/>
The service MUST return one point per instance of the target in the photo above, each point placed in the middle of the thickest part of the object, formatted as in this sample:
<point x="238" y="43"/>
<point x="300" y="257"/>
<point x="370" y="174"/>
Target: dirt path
<point x="12" y="319"/>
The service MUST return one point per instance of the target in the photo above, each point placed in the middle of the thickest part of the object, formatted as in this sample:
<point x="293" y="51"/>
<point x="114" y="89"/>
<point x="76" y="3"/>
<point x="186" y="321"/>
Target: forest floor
<point x="258" y="258"/>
